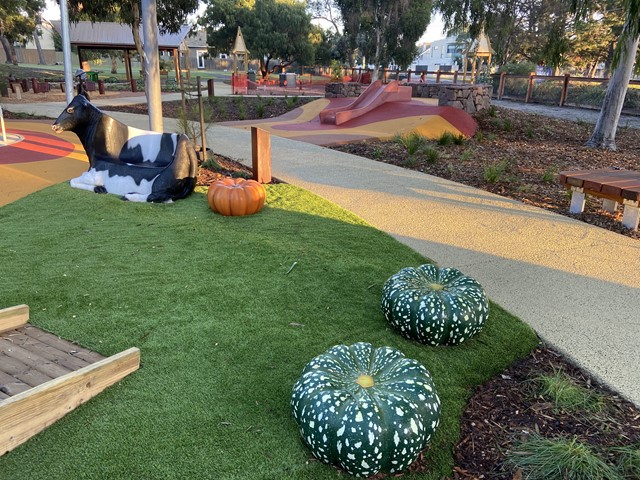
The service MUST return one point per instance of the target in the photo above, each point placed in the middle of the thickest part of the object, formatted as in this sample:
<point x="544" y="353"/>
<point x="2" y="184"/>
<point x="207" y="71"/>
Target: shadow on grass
<point x="226" y="312"/>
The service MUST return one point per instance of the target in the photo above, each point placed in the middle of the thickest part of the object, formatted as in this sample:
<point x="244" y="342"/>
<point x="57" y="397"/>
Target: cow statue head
<point x="78" y="114"/>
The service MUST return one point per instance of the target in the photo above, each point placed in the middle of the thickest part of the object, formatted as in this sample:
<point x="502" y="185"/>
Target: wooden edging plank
<point x="13" y="317"/>
<point x="25" y="414"/>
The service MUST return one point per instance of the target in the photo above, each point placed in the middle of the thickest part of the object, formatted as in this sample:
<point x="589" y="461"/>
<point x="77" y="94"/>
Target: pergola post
<point x="176" y="63"/>
<point x="127" y="64"/>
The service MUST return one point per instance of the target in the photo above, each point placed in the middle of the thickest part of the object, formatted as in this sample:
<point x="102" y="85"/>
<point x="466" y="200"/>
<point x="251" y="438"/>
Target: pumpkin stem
<point x="436" y="286"/>
<point x="365" y="381"/>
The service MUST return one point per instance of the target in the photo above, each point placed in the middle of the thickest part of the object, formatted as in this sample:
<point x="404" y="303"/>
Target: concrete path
<point x="575" y="284"/>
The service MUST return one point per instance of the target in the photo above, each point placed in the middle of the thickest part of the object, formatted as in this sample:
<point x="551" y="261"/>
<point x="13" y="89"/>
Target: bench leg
<point x="577" y="200"/>
<point x="609" y="205"/>
<point x="631" y="215"/>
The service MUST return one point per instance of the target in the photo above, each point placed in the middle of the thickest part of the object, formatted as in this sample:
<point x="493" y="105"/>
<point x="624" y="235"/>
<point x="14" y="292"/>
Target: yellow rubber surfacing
<point x="18" y="180"/>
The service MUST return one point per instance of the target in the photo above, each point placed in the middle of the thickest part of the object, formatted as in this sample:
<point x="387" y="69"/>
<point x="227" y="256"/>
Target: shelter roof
<point x="115" y="35"/>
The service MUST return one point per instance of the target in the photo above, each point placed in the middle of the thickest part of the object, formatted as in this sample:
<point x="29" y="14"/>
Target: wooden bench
<point x="613" y="186"/>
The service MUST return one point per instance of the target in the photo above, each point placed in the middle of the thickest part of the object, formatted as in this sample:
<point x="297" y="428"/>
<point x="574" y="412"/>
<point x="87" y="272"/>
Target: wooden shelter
<point x="115" y="36"/>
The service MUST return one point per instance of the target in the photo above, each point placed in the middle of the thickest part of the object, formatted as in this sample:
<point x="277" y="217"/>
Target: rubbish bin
<point x="291" y="79"/>
<point x="93" y="76"/>
<point x="283" y="79"/>
<point x="251" y="76"/>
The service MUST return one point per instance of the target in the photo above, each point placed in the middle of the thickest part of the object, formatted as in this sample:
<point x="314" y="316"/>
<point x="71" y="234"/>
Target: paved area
<point x="566" y="113"/>
<point x="575" y="284"/>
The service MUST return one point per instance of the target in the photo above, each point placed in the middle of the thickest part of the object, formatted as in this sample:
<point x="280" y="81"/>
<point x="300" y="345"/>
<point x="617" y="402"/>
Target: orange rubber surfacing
<point x="35" y="147"/>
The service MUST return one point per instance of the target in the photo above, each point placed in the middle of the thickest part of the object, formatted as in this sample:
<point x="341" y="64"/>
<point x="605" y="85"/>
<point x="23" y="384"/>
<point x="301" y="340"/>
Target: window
<point x="201" y="55"/>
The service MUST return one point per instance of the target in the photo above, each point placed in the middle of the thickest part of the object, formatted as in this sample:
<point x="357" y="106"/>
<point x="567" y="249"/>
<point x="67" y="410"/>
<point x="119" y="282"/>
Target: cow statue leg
<point x="91" y="180"/>
<point x="179" y="179"/>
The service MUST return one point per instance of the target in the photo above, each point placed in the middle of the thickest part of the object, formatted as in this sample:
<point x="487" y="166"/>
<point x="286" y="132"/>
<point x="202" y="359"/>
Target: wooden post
<point x="261" y="155"/>
<point x="503" y="78"/>
<point x="101" y="87"/>
<point x="529" y="87"/>
<point x="134" y="87"/>
<point x="455" y="77"/>
<point x="438" y="76"/>
<point x="201" y="108"/>
<point x="210" y="87"/>
<point x="565" y="88"/>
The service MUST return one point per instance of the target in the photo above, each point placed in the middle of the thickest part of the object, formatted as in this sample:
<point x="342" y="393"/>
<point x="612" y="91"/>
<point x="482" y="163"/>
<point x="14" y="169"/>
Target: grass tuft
<point x="550" y="174"/>
<point x="566" y="395"/>
<point x="447" y="138"/>
<point x="412" y="142"/>
<point x="559" y="459"/>
<point x="628" y="460"/>
<point x="431" y="154"/>
<point x="493" y="172"/>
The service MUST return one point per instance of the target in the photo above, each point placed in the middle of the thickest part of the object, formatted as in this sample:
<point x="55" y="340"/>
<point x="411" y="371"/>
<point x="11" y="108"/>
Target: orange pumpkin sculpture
<point x="236" y="196"/>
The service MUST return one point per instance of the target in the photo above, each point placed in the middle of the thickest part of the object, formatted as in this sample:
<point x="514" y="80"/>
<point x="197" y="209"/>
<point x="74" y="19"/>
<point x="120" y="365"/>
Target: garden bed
<point x="516" y="155"/>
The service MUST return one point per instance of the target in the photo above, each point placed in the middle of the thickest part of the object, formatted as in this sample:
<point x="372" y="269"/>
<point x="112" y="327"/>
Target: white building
<point x="444" y="54"/>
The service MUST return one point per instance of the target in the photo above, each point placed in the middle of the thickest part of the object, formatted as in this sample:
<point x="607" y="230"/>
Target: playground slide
<point x="374" y="96"/>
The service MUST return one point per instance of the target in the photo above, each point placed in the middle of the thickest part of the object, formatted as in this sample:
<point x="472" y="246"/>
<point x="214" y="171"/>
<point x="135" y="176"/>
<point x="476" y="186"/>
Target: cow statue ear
<point x="70" y="110"/>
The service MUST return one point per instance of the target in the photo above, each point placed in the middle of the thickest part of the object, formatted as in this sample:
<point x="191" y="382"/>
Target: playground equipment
<point x="374" y="96"/>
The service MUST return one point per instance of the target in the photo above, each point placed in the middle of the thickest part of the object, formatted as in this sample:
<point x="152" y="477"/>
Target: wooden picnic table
<point x="613" y="186"/>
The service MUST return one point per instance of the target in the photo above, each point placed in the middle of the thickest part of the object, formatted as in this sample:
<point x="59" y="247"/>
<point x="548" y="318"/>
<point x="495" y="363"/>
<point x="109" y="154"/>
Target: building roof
<point x="115" y="35"/>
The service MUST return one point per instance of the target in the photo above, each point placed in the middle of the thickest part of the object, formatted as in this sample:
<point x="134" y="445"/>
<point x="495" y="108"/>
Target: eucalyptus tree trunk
<point x="135" y="30"/>
<point x="604" y="134"/>
<point x="36" y="40"/>
<point x="8" y="51"/>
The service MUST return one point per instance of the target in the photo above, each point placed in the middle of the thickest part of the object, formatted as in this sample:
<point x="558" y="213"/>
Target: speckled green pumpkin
<point x="365" y="410"/>
<point x="434" y="306"/>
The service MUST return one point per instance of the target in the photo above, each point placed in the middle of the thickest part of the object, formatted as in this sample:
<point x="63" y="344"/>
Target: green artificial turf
<point x="225" y="326"/>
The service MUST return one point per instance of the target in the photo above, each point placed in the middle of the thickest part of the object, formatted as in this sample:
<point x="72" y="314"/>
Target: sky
<point x="434" y="31"/>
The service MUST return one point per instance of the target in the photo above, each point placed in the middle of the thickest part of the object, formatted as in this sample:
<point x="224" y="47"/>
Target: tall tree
<point x="17" y="23"/>
<point x="385" y="30"/>
<point x="531" y="30"/>
<point x="325" y="10"/>
<point x="172" y="14"/>
<point x="604" y="133"/>
<point x="272" y="29"/>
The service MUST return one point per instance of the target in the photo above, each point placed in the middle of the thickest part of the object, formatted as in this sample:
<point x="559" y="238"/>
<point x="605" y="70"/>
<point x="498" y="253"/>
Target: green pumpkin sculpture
<point x="434" y="306"/>
<point x="365" y="410"/>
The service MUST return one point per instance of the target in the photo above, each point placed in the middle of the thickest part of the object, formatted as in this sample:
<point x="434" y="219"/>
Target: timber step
<point x="43" y="377"/>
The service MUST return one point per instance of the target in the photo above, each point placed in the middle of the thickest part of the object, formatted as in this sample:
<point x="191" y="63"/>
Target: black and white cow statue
<point x="140" y="165"/>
